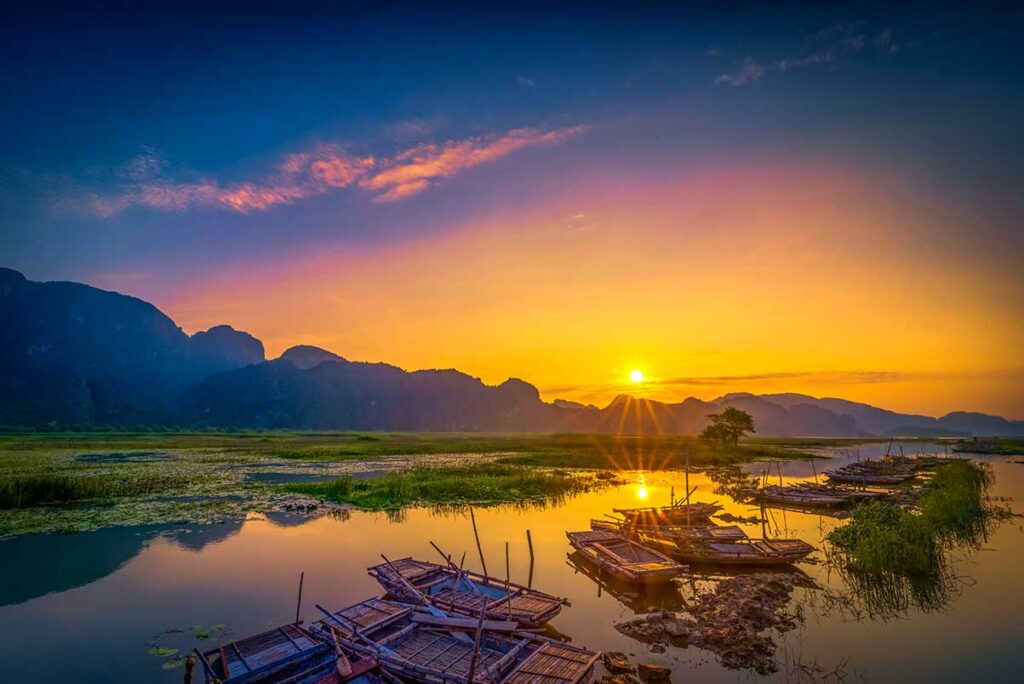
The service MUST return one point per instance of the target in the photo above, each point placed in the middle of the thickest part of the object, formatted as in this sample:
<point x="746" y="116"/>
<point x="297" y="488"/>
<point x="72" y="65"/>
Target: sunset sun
<point x="636" y="376"/>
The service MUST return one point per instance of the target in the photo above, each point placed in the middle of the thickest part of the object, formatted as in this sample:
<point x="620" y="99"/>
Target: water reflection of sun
<point x="641" y="487"/>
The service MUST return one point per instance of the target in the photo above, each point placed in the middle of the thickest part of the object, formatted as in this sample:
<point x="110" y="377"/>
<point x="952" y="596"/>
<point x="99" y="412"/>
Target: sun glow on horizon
<point x="636" y="376"/>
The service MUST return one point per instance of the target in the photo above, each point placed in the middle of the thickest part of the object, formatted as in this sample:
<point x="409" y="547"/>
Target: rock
<point x="658" y="648"/>
<point x="654" y="674"/>
<point x="617" y="663"/>
<point x="677" y="628"/>
<point x="619" y="679"/>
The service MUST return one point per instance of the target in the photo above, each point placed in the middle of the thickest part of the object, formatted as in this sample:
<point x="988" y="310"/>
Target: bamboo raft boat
<point x="416" y="645"/>
<point x="284" y="655"/>
<point x="624" y="558"/>
<point x="459" y="591"/>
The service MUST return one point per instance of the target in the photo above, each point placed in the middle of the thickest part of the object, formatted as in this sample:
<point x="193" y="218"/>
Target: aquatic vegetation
<point x="894" y="558"/>
<point x="1005" y="446"/>
<point x="485" y="483"/>
<point x="34" y="490"/>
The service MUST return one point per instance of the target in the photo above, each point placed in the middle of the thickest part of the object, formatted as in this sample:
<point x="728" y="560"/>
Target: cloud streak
<point x="323" y="169"/>
<point x="833" y="45"/>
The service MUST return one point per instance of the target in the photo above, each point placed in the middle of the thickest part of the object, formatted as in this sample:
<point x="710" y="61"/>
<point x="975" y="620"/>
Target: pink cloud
<point x="411" y="171"/>
<point x="318" y="171"/>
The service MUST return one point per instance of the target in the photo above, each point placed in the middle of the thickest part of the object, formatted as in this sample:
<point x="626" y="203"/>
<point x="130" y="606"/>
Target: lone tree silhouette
<point x="728" y="426"/>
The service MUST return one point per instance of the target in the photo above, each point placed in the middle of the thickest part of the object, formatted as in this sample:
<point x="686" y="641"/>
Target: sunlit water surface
<point x="87" y="607"/>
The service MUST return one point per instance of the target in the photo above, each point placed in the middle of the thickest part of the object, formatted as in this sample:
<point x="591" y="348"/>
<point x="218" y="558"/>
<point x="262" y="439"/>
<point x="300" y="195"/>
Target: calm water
<point x="87" y="607"/>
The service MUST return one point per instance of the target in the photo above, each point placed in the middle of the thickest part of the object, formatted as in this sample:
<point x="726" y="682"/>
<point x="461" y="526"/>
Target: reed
<point x="35" y="490"/>
<point x="477" y="484"/>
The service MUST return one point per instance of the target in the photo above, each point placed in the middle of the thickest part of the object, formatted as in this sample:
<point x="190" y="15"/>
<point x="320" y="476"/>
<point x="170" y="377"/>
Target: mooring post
<point x="298" y="605"/>
<point x="190" y="665"/>
<point x="476" y="639"/>
<point x="479" y="549"/>
<point x="529" y="544"/>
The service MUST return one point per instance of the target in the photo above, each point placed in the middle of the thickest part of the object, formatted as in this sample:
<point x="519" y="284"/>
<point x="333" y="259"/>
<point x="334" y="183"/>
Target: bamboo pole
<point x="479" y="549"/>
<point x="508" y="582"/>
<point x="476" y="639"/>
<point x="298" y="605"/>
<point x="529" y="544"/>
<point x="687" y="450"/>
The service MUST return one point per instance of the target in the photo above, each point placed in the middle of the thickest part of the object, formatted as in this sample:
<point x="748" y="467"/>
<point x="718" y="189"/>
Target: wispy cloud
<point x="748" y="72"/>
<point x="146" y="181"/>
<point x="831" y="46"/>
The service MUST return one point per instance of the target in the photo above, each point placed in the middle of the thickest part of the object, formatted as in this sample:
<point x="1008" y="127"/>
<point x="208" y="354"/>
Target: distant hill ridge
<point x="72" y="355"/>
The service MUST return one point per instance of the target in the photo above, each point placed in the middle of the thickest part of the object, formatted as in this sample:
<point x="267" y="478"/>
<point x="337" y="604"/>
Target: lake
<point x="88" y="607"/>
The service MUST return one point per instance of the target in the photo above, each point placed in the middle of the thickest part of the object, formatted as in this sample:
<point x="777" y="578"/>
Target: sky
<point x="764" y="197"/>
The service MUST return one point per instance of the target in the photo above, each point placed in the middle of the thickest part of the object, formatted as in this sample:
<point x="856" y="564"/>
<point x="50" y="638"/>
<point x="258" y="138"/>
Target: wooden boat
<point x="871" y="473"/>
<point x="678" y="514"/>
<point x="624" y="558"/>
<point x="639" y="599"/>
<point x="745" y="552"/>
<point x="811" y="495"/>
<point x="707" y="531"/>
<point x="283" y="655"/>
<point x="418" y="646"/>
<point x="458" y="591"/>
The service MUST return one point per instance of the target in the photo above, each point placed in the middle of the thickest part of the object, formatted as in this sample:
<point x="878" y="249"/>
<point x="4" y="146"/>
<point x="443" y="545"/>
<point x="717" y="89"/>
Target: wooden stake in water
<point x="508" y="581"/>
<point x="298" y="606"/>
<point x="190" y="665"/>
<point x="479" y="549"/>
<point x="529" y="544"/>
<point x="687" y="486"/>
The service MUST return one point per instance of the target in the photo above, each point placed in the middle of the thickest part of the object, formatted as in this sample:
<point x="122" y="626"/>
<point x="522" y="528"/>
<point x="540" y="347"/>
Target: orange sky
<point x="784" y="277"/>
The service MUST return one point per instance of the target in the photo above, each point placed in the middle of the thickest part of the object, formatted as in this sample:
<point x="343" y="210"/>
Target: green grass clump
<point x="479" y="484"/>
<point x="35" y="490"/>
<point x="883" y="539"/>
<point x="1000" y="446"/>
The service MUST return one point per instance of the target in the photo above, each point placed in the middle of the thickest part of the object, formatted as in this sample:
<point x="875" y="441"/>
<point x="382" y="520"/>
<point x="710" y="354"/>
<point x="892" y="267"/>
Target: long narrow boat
<point x="810" y="495"/>
<point x="678" y="514"/>
<point x="421" y="647"/>
<point x="707" y="531"/>
<point x="871" y="473"/>
<point x="283" y="655"/>
<point x="745" y="552"/>
<point x="624" y="558"/>
<point x="459" y="591"/>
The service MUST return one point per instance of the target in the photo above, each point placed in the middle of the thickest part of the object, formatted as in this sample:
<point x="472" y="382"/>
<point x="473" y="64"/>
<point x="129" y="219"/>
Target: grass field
<point x="80" y="481"/>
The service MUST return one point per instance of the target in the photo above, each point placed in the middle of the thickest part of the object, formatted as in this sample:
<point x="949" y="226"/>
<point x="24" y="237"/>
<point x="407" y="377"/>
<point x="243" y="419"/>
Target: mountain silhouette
<point x="75" y="356"/>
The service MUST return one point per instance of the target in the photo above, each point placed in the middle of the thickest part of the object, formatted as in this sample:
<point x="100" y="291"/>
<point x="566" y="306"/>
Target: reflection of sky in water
<point x="119" y="588"/>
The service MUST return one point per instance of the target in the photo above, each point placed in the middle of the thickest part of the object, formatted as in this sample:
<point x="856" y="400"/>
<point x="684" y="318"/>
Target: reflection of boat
<point x="418" y="646"/>
<point x="639" y="599"/>
<point x="624" y="558"/>
<point x="459" y="591"/>
<point x="287" y="654"/>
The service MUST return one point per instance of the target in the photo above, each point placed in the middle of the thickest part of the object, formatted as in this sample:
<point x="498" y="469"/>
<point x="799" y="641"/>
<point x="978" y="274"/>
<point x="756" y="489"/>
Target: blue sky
<point x="148" y="149"/>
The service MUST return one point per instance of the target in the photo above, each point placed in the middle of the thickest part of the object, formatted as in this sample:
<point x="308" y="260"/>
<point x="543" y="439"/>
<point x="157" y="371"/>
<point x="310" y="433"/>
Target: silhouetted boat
<point x="811" y="495"/>
<point x="707" y="531"/>
<point x="415" y="645"/>
<point x="744" y="552"/>
<point x="458" y="591"/>
<point x="284" y="655"/>
<point x="624" y="558"/>
<point x="678" y="514"/>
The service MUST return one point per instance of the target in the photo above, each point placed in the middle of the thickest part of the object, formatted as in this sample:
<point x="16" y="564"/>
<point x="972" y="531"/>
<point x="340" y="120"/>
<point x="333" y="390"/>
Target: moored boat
<point x="284" y="655"/>
<point x="624" y="558"/>
<point x="744" y="552"/>
<point x="455" y="590"/>
<point x="707" y="531"/>
<point x="677" y="514"/>
<point x="418" y="646"/>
